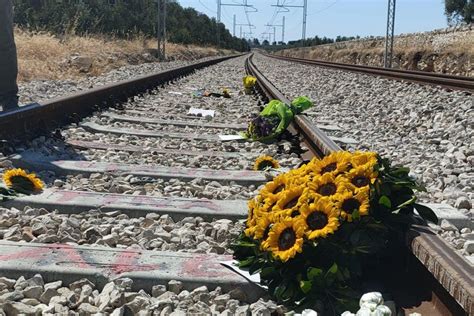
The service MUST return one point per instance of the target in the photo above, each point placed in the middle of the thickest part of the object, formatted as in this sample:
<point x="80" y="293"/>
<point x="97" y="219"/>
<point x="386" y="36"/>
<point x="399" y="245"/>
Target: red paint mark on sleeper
<point x="127" y="261"/>
<point x="206" y="266"/>
<point x="74" y="255"/>
<point x="25" y="254"/>
<point x="66" y="196"/>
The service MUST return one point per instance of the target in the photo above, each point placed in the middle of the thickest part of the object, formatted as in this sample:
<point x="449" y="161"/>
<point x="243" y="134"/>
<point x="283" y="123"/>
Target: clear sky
<point x="329" y="17"/>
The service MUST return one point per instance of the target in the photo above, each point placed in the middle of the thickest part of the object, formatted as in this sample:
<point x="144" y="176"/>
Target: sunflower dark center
<point x="279" y="188"/>
<point x="350" y="205"/>
<point x="292" y="202"/>
<point x="287" y="239"/>
<point x="329" y="168"/>
<point x="327" y="189"/>
<point x="360" y="181"/>
<point x="266" y="231"/>
<point x="295" y="213"/>
<point x="265" y="164"/>
<point x="317" y="220"/>
<point x="20" y="182"/>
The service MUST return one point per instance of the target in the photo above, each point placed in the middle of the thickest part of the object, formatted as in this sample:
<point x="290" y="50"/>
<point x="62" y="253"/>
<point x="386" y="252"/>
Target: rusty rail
<point x="450" y="82"/>
<point x="30" y="121"/>
<point x="452" y="275"/>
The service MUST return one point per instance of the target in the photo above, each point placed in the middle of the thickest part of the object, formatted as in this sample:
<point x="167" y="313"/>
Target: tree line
<point x="124" y="19"/>
<point x="458" y="11"/>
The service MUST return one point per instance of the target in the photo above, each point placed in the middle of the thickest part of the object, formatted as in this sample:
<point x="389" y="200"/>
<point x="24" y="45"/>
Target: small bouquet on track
<point x="314" y="231"/>
<point x="249" y="84"/>
<point x="275" y="119"/>
<point x="18" y="181"/>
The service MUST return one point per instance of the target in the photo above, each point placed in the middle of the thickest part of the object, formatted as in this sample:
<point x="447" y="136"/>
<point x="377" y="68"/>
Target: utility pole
<point x="235" y="23"/>
<point x="305" y="14"/>
<point x="283" y="31"/>
<point x="388" y="56"/>
<point x="161" y="29"/>
<point x="282" y="25"/>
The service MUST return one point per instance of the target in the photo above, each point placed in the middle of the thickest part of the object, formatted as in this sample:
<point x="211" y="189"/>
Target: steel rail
<point x="450" y="82"/>
<point x="453" y="274"/>
<point x="30" y="121"/>
<point x="320" y="144"/>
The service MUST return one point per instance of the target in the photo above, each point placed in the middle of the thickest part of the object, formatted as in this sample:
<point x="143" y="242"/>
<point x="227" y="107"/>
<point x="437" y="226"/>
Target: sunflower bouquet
<point x="18" y="181"/>
<point x="275" y="119"/>
<point x="311" y="232"/>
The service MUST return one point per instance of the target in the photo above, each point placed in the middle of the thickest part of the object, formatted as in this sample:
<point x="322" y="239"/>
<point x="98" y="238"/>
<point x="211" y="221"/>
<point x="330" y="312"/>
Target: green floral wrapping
<point x="275" y="119"/>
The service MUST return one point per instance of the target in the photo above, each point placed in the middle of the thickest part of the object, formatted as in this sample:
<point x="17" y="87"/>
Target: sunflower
<point x="265" y="162"/>
<point x="289" y="199"/>
<point x="324" y="185"/>
<point x="364" y="158"/>
<point x="276" y="186"/>
<point x="252" y="210"/>
<point x="285" y="239"/>
<point x="320" y="219"/>
<point x="348" y="202"/>
<point x="334" y="163"/>
<point x="362" y="176"/>
<point x="263" y="226"/>
<point x="20" y="181"/>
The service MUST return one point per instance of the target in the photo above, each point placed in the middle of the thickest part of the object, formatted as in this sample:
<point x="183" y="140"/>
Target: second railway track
<point x="142" y="191"/>
<point x="446" y="81"/>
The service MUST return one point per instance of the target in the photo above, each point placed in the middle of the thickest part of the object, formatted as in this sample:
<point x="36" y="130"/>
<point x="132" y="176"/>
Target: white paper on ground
<point x="195" y="111"/>
<point x="254" y="278"/>
<point x="230" y="137"/>
<point x="174" y="92"/>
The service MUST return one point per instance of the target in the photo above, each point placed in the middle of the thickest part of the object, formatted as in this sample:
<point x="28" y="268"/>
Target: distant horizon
<point x="328" y="18"/>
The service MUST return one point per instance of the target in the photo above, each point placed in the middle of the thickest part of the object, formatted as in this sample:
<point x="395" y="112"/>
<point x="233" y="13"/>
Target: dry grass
<point x="44" y="56"/>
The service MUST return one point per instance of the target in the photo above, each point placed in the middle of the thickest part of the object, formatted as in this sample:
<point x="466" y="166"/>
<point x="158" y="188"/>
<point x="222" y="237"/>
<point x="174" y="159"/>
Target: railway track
<point x="450" y="82"/>
<point x="156" y="197"/>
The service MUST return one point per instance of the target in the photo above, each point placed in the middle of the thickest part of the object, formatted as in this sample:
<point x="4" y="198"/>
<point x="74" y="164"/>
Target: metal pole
<point x="241" y="31"/>
<point x="283" y="31"/>
<point x="274" y="35"/>
<point x="305" y="13"/>
<point x="388" y="56"/>
<point x="235" y="22"/>
<point x="158" y="27"/>
<point x="218" y="21"/>
<point x="165" y="5"/>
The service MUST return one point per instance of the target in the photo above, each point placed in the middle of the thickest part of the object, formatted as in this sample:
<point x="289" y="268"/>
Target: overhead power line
<point x="282" y="25"/>
<point x="248" y="8"/>
<point x="286" y="8"/>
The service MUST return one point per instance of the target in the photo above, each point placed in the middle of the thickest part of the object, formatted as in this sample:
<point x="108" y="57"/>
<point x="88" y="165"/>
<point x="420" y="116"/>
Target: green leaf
<point x="426" y="213"/>
<point x="246" y="244"/>
<point x="355" y="215"/>
<point x="279" y="290"/>
<point x="306" y="286"/>
<point x="333" y="269"/>
<point x="314" y="273"/>
<point x="246" y="262"/>
<point x="406" y="203"/>
<point x="267" y="272"/>
<point x="385" y="201"/>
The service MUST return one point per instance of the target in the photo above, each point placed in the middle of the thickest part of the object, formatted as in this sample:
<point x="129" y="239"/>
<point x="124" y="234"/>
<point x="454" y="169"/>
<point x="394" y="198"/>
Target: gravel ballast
<point x="34" y="296"/>
<point x="113" y="229"/>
